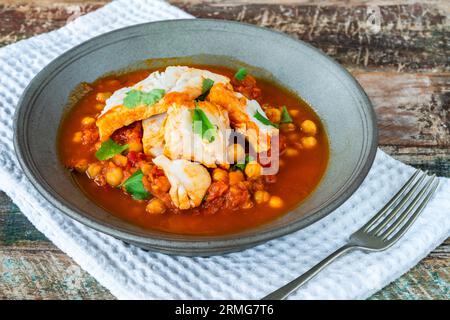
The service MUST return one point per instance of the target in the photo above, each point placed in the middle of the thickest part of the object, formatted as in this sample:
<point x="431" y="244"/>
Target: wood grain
<point x="25" y="275"/>
<point x="412" y="36"/>
<point x="412" y="109"/>
<point x="404" y="68"/>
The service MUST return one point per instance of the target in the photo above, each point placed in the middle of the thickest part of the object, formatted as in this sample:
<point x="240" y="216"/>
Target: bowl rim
<point x="220" y="242"/>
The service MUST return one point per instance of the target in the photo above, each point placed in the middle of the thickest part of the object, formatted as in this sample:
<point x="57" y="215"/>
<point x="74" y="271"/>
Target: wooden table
<point x="404" y="68"/>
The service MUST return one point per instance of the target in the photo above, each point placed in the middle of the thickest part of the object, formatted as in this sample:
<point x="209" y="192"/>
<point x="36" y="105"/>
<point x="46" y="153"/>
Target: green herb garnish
<point x="285" y="117"/>
<point x="132" y="99"/>
<point x="108" y="149"/>
<point x="136" y="98"/>
<point x="258" y="116"/>
<point x="202" y="126"/>
<point x="134" y="186"/>
<point x="241" y="74"/>
<point x="206" y="86"/>
<point x="152" y="97"/>
<point x="241" y="166"/>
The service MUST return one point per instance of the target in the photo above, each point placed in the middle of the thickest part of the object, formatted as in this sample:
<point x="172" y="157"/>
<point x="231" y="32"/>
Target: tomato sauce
<point x="297" y="178"/>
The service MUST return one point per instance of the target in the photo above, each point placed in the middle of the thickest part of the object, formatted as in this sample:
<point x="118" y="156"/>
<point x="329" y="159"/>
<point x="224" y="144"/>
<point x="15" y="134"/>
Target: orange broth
<point x="297" y="178"/>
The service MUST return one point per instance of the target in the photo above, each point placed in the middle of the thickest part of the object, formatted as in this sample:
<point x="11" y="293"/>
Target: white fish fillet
<point x="242" y="113"/>
<point x="153" y="134"/>
<point x="181" y="142"/>
<point x="173" y="79"/>
<point x="189" y="181"/>
<point x="181" y="79"/>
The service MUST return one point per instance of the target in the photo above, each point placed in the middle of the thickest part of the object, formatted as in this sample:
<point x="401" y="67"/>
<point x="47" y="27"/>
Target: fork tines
<point x="394" y="219"/>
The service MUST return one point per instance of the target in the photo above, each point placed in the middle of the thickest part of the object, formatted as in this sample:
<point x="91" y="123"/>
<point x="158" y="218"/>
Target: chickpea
<point x="155" y="206"/>
<point x="81" y="166"/>
<point x="309" y="142"/>
<point x="253" y="170"/>
<point x="309" y="127"/>
<point x="94" y="170"/>
<point x="146" y="168"/>
<point x="102" y="96"/>
<point x="87" y="121"/>
<point x="120" y="160"/>
<point x="135" y="146"/>
<point x="291" y="152"/>
<point x="261" y="196"/>
<point x="99" y="106"/>
<point x="294" y="112"/>
<point x="235" y="177"/>
<point x="286" y="127"/>
<point x="235" y="153"/>
<point x="77" y="137"/>
<point x="220" y="175"/>
<point x="273" y="114"/>
<point x="275" y="202"/>
<point x="114" y="176"/>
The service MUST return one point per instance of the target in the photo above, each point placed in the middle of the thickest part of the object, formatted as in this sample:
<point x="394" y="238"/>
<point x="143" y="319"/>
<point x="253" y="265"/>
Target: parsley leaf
<point x="202" y="126"/>
<point x="241" y="74"/>
<point x="258" y="116"/>
<point x="134" y="98"/>
<point x="134" y="186"/>
<point x="109" y="149"/>
<point x="206" y="86"/>
<point x="152" y="97"/>
<point x="285" y="117"/>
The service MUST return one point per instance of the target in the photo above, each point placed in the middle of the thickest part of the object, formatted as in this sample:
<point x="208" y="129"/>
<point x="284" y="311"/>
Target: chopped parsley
<point x="285" y="117"/>
<point x="206" y="86"/>
<point x="134" y="186"/>
<point x="134" y="98"/>
<point x="241" y="74"/>
<point x="202" y="126"/>
<point x="258" y="116"/>
<point x="109" y="149"/>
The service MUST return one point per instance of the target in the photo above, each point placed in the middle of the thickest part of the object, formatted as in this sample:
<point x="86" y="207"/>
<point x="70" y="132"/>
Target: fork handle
<point x="286" y="290"/>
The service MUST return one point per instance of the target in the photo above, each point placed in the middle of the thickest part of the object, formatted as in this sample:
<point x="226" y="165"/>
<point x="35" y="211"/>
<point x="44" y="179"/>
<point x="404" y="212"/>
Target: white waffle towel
<point x="131" y="273"/>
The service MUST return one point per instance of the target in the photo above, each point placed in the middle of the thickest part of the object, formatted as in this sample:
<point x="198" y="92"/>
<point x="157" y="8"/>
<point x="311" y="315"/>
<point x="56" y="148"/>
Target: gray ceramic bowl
<point x="338" y="99"/>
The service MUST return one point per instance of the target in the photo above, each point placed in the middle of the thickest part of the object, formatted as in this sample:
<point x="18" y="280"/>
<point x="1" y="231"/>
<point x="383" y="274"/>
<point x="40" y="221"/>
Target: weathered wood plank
<point x="45" y="275"/>
<point x="412" y="109"/>
<point x="429" y="280"/>
<point x="20" y="20"/>
<point x="15" y="228"/>
<point x="412" y="36"/>
<point x="435" y="160"/>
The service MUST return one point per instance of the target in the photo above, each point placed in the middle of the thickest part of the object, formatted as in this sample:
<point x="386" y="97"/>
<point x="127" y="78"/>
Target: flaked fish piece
<point x="242" y="113"/>
<point x="183" y="141"/>
<point x="189" y="181"/>
<point x="153" y="134"/>
<point x="180" y="79"/>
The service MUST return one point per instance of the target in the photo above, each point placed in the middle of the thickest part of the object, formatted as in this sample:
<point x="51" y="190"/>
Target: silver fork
<point x="381" y="232"/>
